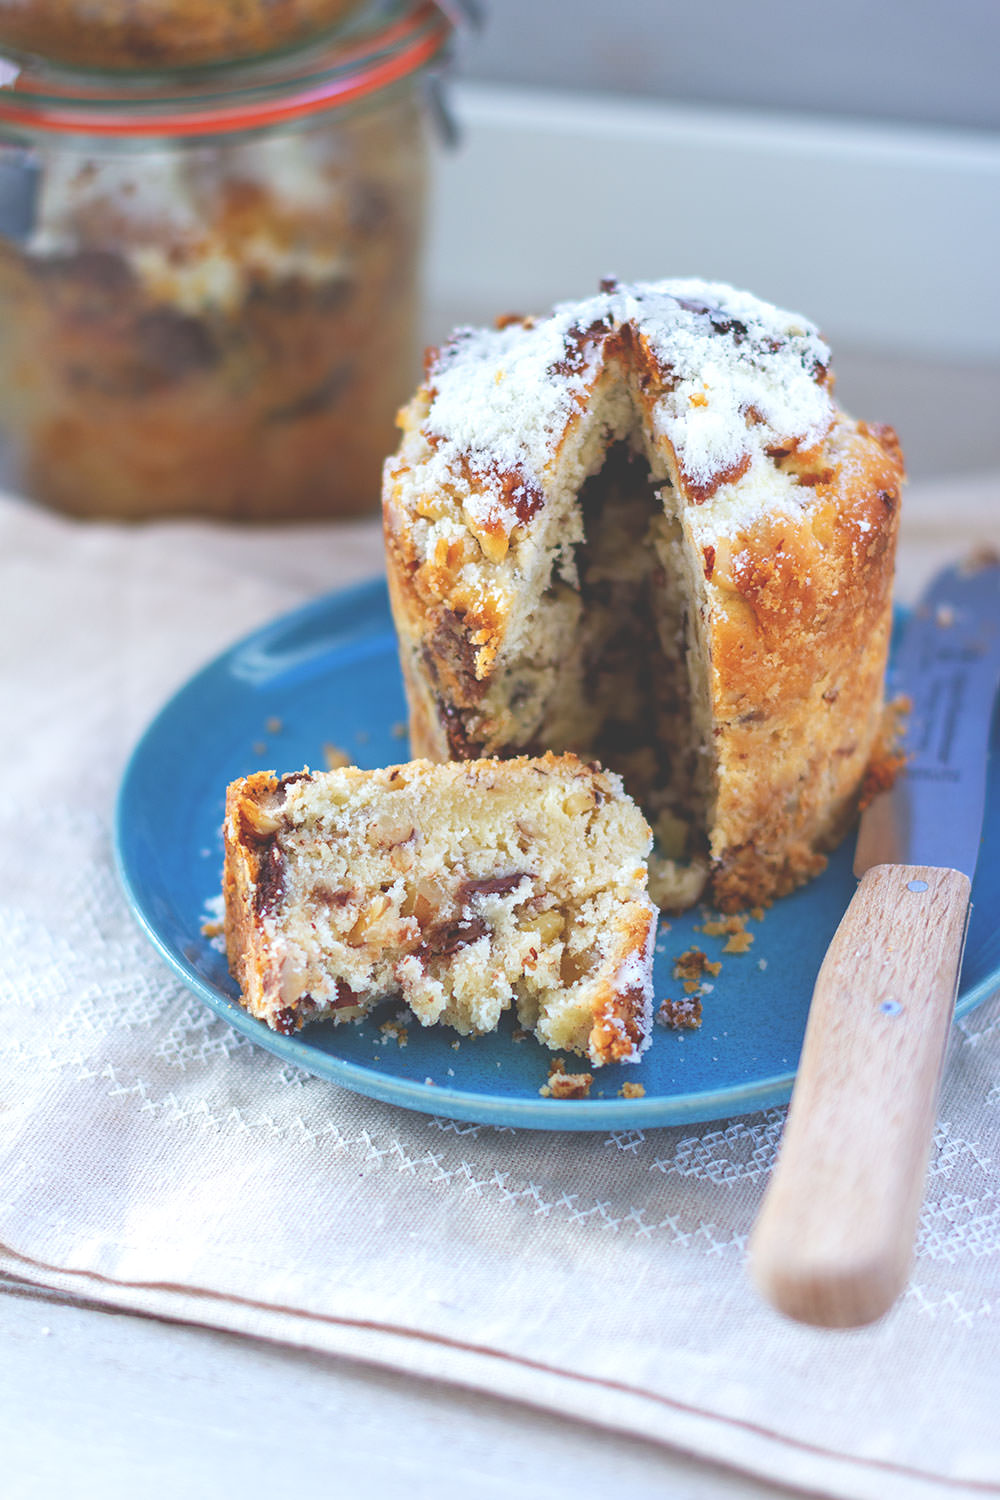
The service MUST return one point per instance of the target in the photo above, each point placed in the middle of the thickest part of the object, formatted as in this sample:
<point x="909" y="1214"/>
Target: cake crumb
<point x="680" y="1015"/>
<point x="259" y="747"/>
<point x="723" y="926"/>
<point x="396" y="1030"/>
<point x="692" y="964"/>
<point x="945" y="616"/>
<point x="213" y="922"/>
<point x="399" y="730"/>
<point x="631" y="1091"/>
<point x="757" y="912"/>
<point x="739" y="942"/>
<point x="455" y="1046"/>
<point x="880" y="776"/>
<point x="273" y="725"/>
<point x="336" y="758"/>
<point x="563" y="1085"/>
<point x="762" y="963"/>
<point x="519" y="1034"/>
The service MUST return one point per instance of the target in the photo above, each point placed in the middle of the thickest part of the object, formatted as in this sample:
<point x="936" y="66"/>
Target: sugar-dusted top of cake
<point x="734" y="379"/>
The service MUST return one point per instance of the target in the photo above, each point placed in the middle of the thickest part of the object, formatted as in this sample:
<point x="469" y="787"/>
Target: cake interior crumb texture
<point x="466" y="889"/>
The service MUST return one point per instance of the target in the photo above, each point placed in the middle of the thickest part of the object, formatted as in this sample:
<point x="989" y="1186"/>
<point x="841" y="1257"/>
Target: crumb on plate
<point x="739" y="942"/>
<point x="692" y="964"/>
<point x="396" y="1030"/>
<point x="631" y="1091"/>
<point x="563" y="1085"/>
<point x="724" y="926"/>
<point x="335" y="758"/>
<point x="680" y="1015"/>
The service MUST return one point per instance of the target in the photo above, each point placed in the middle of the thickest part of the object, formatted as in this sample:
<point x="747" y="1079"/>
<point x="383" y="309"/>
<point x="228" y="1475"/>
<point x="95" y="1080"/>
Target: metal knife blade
<point x="948" y="666"/>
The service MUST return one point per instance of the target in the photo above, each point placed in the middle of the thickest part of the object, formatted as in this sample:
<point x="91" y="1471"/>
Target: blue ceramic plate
<point x="328" y="674"/>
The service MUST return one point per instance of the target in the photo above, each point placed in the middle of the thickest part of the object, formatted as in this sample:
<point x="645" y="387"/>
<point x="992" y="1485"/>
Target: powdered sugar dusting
<point x="635" y="976"/>
<point x="635" y="973"/>
<point x="737" y="378"/>
<point x="745" y="376"/>
<point x="504" y="396"/>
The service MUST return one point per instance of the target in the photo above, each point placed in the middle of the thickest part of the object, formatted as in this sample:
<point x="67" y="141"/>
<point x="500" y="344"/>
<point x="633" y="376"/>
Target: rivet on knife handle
<point x="834" y="1240"/>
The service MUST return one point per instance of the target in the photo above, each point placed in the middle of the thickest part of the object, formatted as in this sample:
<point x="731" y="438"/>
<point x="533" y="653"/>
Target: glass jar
<point x="209" y="300"/>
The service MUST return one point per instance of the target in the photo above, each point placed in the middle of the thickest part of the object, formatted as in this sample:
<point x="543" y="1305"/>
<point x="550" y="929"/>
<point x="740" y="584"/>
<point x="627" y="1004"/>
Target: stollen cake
<point x="641" y="529"/>
<point x="463" y="889"/>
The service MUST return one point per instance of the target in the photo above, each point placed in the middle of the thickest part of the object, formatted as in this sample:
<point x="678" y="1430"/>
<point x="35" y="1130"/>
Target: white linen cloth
<point x="152" y="1159"/>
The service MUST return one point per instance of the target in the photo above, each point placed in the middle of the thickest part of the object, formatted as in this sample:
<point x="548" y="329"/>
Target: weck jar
<point x="209" y="293"/>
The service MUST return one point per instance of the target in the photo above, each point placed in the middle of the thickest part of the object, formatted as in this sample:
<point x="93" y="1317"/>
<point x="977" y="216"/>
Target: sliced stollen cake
<point x="463" y="889"/>
<point x="640" y="528"/>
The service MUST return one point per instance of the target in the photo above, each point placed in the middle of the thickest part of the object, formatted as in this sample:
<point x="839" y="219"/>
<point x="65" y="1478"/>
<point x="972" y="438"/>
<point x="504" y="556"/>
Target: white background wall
<point x="930" y="61"/>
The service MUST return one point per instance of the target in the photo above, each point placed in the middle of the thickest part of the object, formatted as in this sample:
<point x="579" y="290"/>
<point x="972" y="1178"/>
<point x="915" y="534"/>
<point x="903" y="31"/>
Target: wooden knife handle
<point x="834" y="1239"/>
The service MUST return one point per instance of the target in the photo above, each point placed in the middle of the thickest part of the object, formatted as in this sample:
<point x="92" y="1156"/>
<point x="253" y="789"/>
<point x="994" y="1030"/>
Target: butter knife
<point x="833" y="1242"/>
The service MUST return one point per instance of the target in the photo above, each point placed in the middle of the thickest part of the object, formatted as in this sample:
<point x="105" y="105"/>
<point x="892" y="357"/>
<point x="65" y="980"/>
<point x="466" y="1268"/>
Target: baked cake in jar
<point x="162" y="34"/>
<point x="221" y="330"/>
<point x="209" y="292"/>
<point x="641" y="529"/>
<point x="465" y="890"/>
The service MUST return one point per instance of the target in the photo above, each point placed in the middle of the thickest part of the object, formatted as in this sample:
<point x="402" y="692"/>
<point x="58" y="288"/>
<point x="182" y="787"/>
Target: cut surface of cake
<point x="464" y="889"/>
<point x="641" y="529"/>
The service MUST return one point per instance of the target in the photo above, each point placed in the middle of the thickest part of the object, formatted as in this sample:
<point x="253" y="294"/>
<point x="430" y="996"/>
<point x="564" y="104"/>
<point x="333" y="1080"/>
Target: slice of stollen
<point x="463" y="888"/>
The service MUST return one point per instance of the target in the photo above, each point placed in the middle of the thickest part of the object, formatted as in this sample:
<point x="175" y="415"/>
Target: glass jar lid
<point x="395" y="40"/>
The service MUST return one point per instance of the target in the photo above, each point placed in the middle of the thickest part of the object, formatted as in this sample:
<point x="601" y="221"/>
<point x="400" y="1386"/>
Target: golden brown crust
<point x="622" y="1014"/>
<point x="247" y="837"/>
<point x="799" y="645"/>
